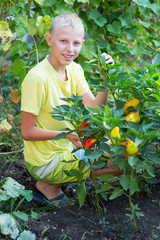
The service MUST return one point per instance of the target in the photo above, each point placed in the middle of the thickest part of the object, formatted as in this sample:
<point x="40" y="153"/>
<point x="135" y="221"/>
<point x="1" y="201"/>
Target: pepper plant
<point x="135" y="147"/>
<point x="90" y="135"/>
<point x="135" y="93"/>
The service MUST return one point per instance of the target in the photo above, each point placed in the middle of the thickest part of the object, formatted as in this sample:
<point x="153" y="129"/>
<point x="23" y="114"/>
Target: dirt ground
<point x="75" y="223"/>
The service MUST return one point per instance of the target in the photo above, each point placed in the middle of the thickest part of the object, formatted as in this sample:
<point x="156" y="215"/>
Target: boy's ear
<point x="83" y="41"/>
<point x="48" y="38"/>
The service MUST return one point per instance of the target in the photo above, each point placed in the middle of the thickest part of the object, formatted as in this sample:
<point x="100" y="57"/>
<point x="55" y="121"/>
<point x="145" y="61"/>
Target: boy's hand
<point x="109" y="60"/>
<point x="74" y="138"/>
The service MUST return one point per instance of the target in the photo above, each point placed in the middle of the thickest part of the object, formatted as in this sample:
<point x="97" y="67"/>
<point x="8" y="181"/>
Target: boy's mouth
<point x="68" y="56"/>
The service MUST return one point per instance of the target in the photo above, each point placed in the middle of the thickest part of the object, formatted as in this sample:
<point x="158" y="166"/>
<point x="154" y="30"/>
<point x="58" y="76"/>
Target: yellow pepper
<point x="115" y="134"/>
<point x="133" y="117"/>
<point x="131" y="103"/>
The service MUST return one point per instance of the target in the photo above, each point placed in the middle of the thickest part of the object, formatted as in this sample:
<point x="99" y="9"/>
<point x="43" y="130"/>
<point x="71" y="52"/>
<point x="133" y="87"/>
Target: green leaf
<point x="69" y="1"/>
<point x="81" y="194"/>
<point x="21" y="28"/>
<point x="75" y="173"/>
<point x="156" y="8"/>
<point x="156" y="59"/>
<point x="105" y="147"/>
<point x="122" y="162"/>
<point x="18" y="68"/>
<point x="27" y="194"/>
<point x="83" y="1"/>
<point x="131" y="33"/>
<point x="81" y="165"/>
<point x="96" y="154"/>
<point x="114" y="28"/>
<point x="34" y="215"/>
<point x="59" y="136"/>
<point x="8" y="225"/>
<point x="145" y="24"/>
<point x="18" y="47"/>
<point x="124" y="181"/>
<point x="107" y="112"/>
<point x="32" y="28"/>
<point x="106" y="178"/>
<point x="88" y="47"/>
<point x="116" y="193"/>
<point x="25" y="235"/>
<point x="126" y="18"/>
<point x="10" y="188"/>
<point x="104" y="196"/>
<point x="60" y="118"/>
<point x="96" y="3"/>
<point x="49" y="3"/>
<point x="150" y="169"/>
<point x="138" y="141"/>
<point x="105" y="188"/>
<point x="143" y="3"/>
<point x="155" y="159"/>
<point x="46" y="3"/>
<point x="99" y="164"/>
<point x="133" y="186"/>
<point x="98" y="18"/>
<point x="132" y="160"/>
<point x="21" y="215"/>
<point x="40" y="2"/>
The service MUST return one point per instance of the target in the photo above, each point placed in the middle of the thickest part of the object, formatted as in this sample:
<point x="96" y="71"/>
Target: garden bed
<point x="75" y="223"/>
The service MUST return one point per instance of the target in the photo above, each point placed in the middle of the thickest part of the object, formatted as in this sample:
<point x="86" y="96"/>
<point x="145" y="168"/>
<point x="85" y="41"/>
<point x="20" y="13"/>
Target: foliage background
<point x="127" y="30"/>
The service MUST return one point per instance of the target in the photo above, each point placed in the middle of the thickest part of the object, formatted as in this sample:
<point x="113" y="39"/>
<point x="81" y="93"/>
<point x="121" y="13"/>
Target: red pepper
<point x="89" y="143"/>
<point x="86" y="124"/>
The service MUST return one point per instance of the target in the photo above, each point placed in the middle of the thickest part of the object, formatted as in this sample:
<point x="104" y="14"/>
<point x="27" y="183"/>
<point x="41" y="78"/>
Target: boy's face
<point x="65" y="43"/>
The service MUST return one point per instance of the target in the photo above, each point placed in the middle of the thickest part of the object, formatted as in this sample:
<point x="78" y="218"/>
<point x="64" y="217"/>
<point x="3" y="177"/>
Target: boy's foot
<point x="69" y="189"/>
<point x="61" y="200"/>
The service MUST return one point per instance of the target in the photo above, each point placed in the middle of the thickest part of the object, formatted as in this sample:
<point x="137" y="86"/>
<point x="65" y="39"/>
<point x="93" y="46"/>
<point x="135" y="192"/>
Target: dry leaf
<point x="10" y="117"/>
<point x="1" y="99"/>
<point x="15" y="98"/>
<point x="5" y="127"/>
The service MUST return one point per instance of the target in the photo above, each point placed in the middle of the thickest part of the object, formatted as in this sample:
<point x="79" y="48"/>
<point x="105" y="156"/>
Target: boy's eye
<point x="77" y="43"/>
<point x="63" y="41"/>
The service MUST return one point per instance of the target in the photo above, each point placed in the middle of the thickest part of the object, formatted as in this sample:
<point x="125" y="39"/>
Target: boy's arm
<point x="102" y="97"/>
<point x="30" y="132"/>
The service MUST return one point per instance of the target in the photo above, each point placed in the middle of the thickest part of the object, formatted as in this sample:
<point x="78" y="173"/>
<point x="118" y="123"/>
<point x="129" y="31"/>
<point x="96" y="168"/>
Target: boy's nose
<point x="70" y="47"/>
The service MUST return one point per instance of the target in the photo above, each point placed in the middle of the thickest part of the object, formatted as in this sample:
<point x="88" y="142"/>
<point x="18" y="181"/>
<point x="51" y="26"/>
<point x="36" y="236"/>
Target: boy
<point x="56" y="77"/>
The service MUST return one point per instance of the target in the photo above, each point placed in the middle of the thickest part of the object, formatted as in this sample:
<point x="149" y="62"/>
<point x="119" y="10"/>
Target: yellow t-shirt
<point x="42" y="89"/>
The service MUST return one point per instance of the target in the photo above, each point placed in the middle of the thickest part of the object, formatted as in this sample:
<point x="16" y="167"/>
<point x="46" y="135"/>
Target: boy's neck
<point x="61" y="70"/>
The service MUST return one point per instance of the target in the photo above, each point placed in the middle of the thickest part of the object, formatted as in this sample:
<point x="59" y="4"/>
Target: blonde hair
<point x="67" y="19"/>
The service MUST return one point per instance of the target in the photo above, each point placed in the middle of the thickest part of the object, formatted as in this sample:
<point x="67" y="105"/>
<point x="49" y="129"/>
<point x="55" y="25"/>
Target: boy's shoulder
<point x="39" y="68"/>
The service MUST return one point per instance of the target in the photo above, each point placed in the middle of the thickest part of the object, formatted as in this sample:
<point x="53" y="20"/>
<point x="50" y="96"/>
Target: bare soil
<point x="75" y="223"/>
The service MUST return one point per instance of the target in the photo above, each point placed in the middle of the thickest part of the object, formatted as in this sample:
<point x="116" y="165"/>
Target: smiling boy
<point x="56" y="77"/>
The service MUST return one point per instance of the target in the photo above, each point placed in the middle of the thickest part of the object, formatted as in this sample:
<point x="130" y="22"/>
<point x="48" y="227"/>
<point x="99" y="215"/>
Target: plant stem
<point x="6" y="153"/>
<point x="132" y="210"/>
<point x="95" y="187"/>
<point x="5" y="54"/>
<point x="36" y="49"/>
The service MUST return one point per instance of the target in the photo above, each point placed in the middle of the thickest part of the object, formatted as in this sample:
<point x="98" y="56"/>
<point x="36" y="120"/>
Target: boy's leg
<point x="49" y="190"/>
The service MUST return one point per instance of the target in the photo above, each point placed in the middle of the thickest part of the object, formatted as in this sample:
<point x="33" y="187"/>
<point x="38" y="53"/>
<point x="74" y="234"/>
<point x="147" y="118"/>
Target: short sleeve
<point x="32" y="94"/>
<point x="82" y="85"/>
